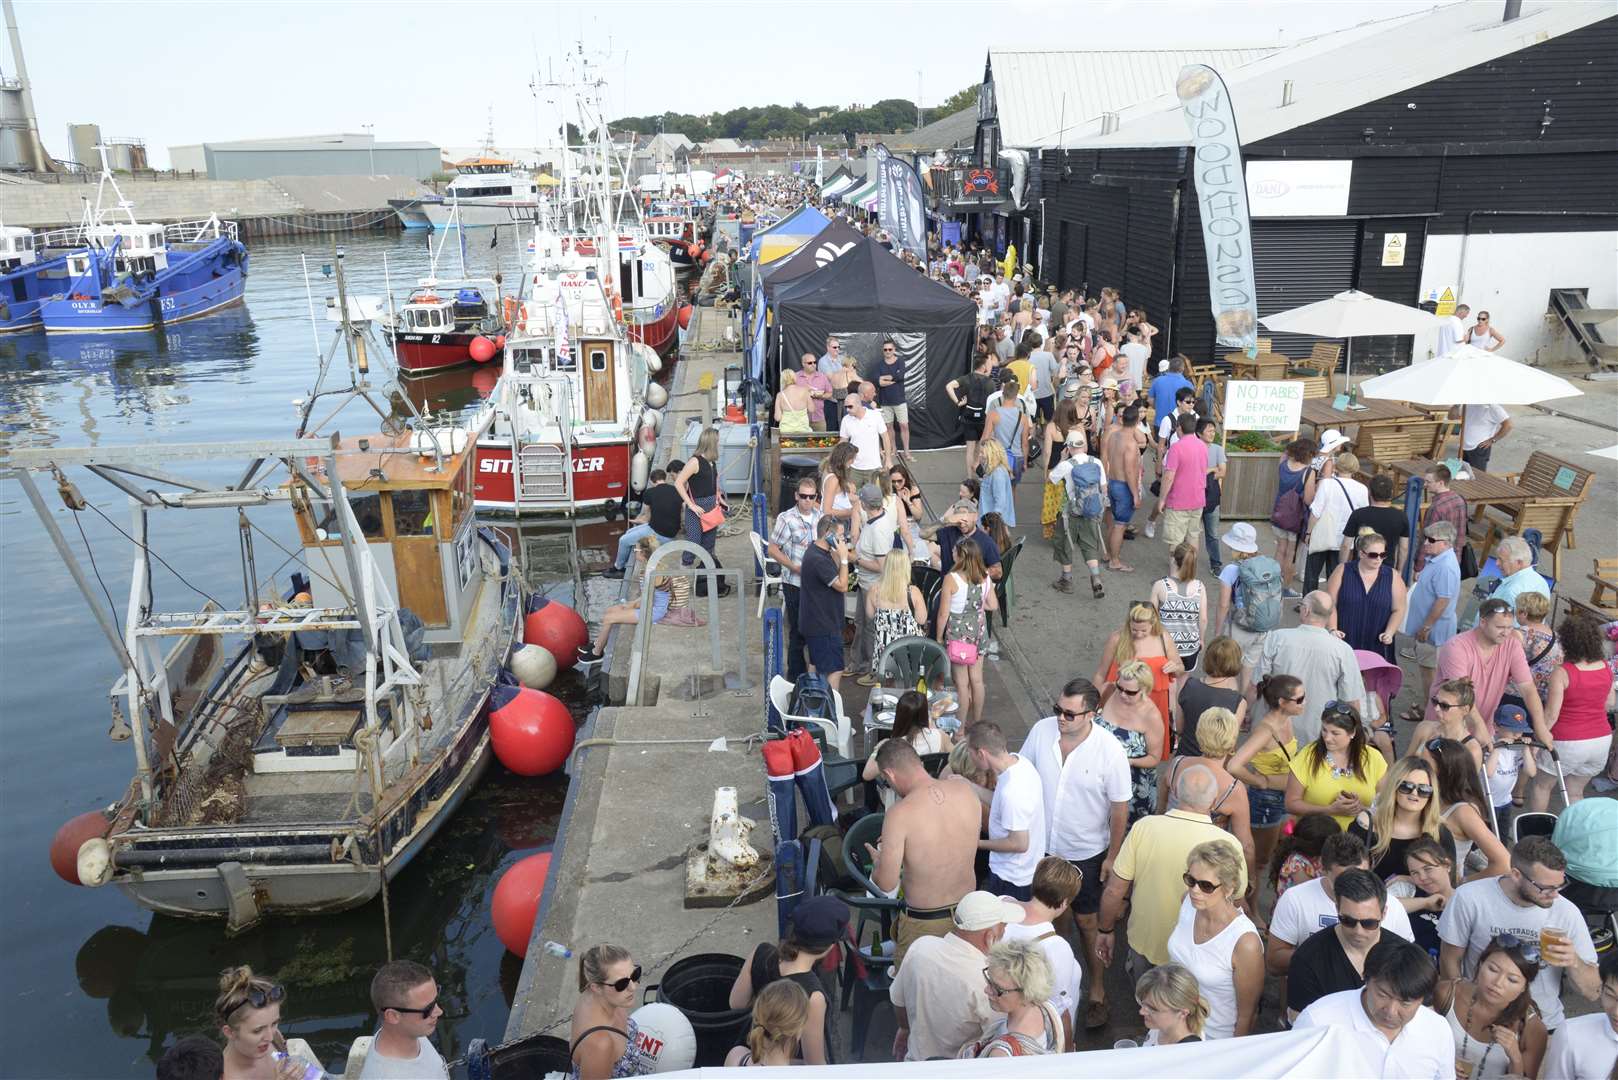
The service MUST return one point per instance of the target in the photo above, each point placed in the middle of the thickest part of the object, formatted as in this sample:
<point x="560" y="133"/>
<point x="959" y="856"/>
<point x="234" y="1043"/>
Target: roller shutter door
<point x="1297" y="262"/>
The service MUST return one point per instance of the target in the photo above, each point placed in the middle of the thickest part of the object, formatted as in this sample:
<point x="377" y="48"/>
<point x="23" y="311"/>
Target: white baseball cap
<point x="981" y="910"/>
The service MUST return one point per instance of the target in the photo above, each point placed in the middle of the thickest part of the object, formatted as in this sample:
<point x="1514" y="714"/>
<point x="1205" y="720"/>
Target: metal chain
<point x="745" y="893"/>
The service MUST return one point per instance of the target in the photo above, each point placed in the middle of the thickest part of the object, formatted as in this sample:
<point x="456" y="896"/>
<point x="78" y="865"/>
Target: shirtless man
<point x="1120" y="457"/>
<point x="929" y="844"/>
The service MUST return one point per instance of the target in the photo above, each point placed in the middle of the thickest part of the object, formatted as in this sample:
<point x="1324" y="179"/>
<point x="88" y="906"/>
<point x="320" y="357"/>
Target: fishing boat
<point x="31" y="267"/>
<point x="490" y="190"/>
<point x="127" y="275"/>
<point x="571" y="426"/>
<point x="672" y="225"/>
<point x="643" y="276"/>
<point x="446" y="323"/>
<point x="298" y="748"/>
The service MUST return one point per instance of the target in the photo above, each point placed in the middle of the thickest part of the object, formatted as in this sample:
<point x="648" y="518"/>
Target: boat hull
<point x="658" y="331"/>
<point x="66" y="315"/>
<point x="411" y="213"/>
<point x="600" y="479"/>
<point x="424" y="354"/>
<point x="480" y="214"/>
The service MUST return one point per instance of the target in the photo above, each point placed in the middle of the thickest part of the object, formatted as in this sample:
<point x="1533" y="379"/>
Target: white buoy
<point x="640" y="469"/>
<point x="656" y="396"/>
<point x="667" y="1038"/>
<point x="534" y="666"/>
<point x="653" y="417"/>
<point x="654" y="362"/>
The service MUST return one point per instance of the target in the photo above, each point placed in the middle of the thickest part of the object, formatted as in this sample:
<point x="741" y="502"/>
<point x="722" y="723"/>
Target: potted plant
<point x="1250" y="476"/>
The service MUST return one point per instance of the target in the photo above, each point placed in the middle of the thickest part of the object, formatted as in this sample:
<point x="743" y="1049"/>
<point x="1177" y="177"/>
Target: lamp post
<point x="370" y="130"/>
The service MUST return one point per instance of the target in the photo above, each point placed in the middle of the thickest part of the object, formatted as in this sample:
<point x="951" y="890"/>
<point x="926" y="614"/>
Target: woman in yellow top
<point x="1339" y="771"/>
<point x="1264" y="761"/>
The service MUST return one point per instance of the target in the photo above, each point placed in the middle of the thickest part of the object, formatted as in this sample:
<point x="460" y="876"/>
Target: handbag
<point x="1469" y="562"/>
<point x="712" y="519"/>
<point x="964" y="653"/>
<point x="1321" y="537"/>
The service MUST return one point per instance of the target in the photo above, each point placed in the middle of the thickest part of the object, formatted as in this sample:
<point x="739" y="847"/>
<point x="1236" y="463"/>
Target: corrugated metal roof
<point x="1041" y="94"/>
<point x="942" y="134"/>
<point x="1335" y="72"/>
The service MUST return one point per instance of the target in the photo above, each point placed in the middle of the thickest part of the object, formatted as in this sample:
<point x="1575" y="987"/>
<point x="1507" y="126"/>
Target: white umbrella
<point x="1469" y="376"/>
<point x="1350" y="315"/>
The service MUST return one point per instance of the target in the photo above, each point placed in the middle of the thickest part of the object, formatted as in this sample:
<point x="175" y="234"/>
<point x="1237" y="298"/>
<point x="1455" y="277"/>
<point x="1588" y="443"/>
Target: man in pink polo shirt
<point x="1491" y="656"/>
<point x="1185" y="485"/>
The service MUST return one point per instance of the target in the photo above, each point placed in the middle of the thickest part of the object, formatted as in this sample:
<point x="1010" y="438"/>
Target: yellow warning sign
<point x="1393" y="249"/>
<point x="1446" y="303"/>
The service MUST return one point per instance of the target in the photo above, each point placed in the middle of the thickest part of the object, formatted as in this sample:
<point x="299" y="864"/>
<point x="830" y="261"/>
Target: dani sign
<point x="1222" y="200"/>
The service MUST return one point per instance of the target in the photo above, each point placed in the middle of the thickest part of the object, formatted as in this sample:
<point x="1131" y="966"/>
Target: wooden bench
<point x="1323" y="359"/>
<point x="1396" y="442"/>
<point x="1315" y="386"/>
<point x="1551" y="508"/>
<point x="1605" y="578"/>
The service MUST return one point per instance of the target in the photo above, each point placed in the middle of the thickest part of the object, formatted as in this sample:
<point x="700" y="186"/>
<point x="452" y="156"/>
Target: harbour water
<point x="92" y="985"/>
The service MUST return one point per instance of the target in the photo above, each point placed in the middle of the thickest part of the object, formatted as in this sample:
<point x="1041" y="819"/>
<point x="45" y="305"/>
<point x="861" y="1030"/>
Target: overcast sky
<point x="173" y="73"/>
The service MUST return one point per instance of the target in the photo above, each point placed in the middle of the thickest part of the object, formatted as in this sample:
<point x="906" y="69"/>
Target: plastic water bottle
<point x="310" y="1070"/>
<point x="556" y="948"/>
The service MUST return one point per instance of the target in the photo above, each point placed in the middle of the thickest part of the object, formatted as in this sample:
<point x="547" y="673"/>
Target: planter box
<point x="1250" y="481"/>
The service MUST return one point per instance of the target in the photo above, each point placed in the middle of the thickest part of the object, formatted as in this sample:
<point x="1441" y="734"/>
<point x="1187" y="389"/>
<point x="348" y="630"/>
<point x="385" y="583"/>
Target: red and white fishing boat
<point x="572" y="429"/>
<point x="445" y="324"/>
<point x="643" y="278"/>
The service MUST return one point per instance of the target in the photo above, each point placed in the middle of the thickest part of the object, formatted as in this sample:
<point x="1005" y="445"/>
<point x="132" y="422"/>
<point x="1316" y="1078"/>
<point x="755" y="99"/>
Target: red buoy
<point x="481" y="349"/>
<point x="500" y="341"/>
<point x="70" y="837"/>
<point x="532" y="731"/>
<point x="516" y="901"/>
<point x="686" y="311"/>
<point x="557" y="628"/>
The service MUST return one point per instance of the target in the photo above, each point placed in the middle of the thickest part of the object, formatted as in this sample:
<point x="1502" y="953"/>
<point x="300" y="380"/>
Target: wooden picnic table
<point x="1319" y="414"/>
<point x="1266" y="366"/>
<point x="1483" y="489"/>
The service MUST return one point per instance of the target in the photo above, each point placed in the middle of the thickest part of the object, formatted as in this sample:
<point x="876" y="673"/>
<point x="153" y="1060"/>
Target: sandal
<point x="1096" y="1015"/>
<point x="1412" y="715"/>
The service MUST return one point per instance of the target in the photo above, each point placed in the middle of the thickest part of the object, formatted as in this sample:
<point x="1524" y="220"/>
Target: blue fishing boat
<point x="30" y="269"/>
<point x="133" y="275"/>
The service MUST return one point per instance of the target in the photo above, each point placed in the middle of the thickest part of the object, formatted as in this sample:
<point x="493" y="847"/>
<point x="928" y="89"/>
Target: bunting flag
<point x="902" y="209"/>
<point x="1227" y="236"/>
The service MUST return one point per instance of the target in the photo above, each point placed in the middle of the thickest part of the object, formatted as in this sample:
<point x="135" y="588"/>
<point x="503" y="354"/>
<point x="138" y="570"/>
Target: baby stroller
<point x="1587" y="834"/>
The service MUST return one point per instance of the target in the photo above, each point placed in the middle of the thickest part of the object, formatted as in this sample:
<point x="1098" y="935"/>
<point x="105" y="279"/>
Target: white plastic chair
<point x="774" y="573"/>
<point x="839" y="736"/>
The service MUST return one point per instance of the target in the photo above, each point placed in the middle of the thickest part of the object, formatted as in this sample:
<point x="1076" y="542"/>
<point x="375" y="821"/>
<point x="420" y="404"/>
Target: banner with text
<point x="1222" y="198"/>
<point x="1263" y="406"/>
<point x="902" y="209"/>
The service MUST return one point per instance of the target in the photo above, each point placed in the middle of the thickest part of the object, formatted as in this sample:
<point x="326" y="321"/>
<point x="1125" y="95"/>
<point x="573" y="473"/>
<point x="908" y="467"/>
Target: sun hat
<point x="981" y="910"/>
<point x="1241" y="537"/>
<point x="1331" y="440"/>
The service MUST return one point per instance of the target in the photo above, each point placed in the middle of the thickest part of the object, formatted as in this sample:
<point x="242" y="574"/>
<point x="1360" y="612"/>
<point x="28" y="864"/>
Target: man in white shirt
<point x="939" y="995"/>
<point x="1485" y="425"/>
<point x="1586" y="1047"/>
<point x="1523" y="903"/>
<point x="1415" y="1041"/>
<point x="864" y="427"/>
<point x="1452" y="331"/>
<point x="405" y="997"/>
<point x="1135" y="353"/>
<point x="1305" y="909"/>
<point x="1056" y="885"/>
<point x="1085" y="778"/>
<point x="1016" y="840"/>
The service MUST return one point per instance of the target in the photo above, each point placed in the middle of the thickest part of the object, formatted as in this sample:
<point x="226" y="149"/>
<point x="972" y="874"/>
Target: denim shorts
<point x="1123" y="500"/>
<point x="1266" y="809"/>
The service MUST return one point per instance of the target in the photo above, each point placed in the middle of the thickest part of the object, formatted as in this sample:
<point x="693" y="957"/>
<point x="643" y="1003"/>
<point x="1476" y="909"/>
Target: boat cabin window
<point x="367" y="507"/>
<point x="412" y="513"/>
<point x="598" y="360"/>
<point x="526" y="360"/>
<point x="461" y="494"/>
<point x="567" y="361"/>
<point x="624" y="278"/>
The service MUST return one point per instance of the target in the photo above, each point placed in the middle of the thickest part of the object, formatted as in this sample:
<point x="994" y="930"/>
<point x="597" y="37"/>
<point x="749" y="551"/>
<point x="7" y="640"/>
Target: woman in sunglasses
<point x="1133" y="719"/>
<point x="1339" y="771"/>
<point x="1264" y="760"/>
<point x="1497" y="1031"/>
<point x="1142" y="638"/>
<point x="1454" y="703"/>
<point x="248" y="1011"/>
<point x="1368" y="598"/>
<point x="1218" y="944"/>
<point x="1463" y="810"/>
<point x="1019" y="984"/>
<point x="1406" y="809"/>
<point x="605" y="1039"/>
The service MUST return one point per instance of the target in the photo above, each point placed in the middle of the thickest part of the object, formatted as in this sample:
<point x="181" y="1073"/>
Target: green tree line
<point x="796" y="120"/>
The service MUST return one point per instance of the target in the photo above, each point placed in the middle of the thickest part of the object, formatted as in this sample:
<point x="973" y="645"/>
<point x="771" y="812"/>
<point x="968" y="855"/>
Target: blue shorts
<point x="1266" y="809"/>
<point x="825" y="653"/>
<point x="1123" y="501"/>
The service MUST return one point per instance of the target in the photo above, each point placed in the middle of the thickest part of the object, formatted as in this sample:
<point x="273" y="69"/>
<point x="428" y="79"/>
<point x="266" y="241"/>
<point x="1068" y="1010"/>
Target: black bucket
<point x="699" y="986"/>
<point x="535" y="1056"/>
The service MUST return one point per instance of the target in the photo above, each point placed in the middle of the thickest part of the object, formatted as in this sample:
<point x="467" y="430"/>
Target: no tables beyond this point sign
<point x="1263" y="406"/>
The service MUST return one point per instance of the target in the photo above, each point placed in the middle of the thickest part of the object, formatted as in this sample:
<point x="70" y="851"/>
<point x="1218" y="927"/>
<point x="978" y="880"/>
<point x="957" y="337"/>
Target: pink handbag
<point x="964" y="653"/>
<point x="712" y="519"/>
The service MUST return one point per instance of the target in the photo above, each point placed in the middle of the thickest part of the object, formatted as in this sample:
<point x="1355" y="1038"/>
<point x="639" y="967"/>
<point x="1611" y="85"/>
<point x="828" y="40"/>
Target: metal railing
<point x="713" y="576"/>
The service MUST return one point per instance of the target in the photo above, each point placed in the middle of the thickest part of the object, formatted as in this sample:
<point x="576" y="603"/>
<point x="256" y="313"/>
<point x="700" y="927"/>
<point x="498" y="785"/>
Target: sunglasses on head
<point x="620" y="985"/>
<point x="1208" y="887"/>
<point x="1363" y="924"/>
<point x="1528" y="948"/>
<point x="1408" y="788"/>
<point x="258" y="997"/>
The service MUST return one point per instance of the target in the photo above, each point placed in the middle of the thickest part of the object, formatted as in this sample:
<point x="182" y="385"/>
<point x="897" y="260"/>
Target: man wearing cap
<point x="939" y="995"/>
<point x="872" y="547"/>
<point x="929" y="844"/>
<point x="1074" y="529"/>
<point x="813" y="927"/>
<point x="1430" y="612"/>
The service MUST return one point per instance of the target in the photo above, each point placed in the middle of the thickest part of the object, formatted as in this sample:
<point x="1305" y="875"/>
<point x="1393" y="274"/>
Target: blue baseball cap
<point x="1512" y="718"/>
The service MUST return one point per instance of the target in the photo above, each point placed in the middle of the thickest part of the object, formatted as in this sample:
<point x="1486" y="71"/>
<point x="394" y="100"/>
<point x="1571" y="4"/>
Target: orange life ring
<point x="509" y="311"/>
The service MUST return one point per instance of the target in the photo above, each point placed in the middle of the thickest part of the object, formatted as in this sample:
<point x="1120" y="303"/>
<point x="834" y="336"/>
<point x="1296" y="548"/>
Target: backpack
<point x="1258" y="590"/>
<point x="811" y="696"/>
<point x="1084" y="486"/>
<point x="831" y="872"/>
